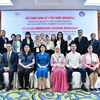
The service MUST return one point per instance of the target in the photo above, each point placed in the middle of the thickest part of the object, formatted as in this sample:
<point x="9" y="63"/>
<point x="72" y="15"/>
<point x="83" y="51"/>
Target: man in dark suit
<point x="9" y="64"/>
<point x="3" y="42"/>
<point x="81" y="42"/>
<point x="95" y="44"/>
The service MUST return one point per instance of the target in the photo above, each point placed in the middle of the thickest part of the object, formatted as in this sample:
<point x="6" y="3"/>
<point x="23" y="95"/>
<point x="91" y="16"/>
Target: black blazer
<point x="82" y="45"/>
<point x="62" y="46"/>
<point x="2" y="42"/>
<point x="11" y="42"/>
<point x="96" y="46"/>
<point x="24" y="42"/>
<point x="66" y="46"/>
<point x="13" y="60"/>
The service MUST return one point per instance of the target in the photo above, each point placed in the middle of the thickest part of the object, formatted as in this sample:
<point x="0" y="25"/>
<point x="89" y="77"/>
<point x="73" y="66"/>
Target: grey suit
<point x="14" y="46"/>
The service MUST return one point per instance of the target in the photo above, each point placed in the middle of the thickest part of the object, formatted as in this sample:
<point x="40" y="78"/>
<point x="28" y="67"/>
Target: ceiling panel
<point x="48" y="4"/>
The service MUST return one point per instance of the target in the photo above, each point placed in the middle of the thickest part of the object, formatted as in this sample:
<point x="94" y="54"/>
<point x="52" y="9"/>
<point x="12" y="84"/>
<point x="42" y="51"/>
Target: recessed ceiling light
<point x="5" y="2"/>
<point x="92" y="2"/>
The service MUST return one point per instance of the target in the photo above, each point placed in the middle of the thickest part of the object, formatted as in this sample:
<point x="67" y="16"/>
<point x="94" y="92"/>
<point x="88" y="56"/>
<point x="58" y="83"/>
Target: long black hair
<point x="61" y="34"/>
<point x="28" y="33"/>
<point x="43" y="46"/>
<point x="55" y="40"/>
<point x="13" y="35"/>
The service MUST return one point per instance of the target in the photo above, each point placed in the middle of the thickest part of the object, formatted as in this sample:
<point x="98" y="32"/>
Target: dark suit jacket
<point x="11" y="41"/>
<point x="96" y="46"/>
<point x="62" y="46"/>
<point x="66" y="46"/>
<point x="2" y="42"/>
<point x="24" y="42"/>
<point x="82" y="45"/>
<point x="13" y="60"/>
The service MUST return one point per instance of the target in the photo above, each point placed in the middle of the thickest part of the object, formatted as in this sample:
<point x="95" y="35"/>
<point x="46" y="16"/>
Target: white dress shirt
<point x="18" y="46"/>
<point x="69" y="41"/>
<point x="49" y="45"/>
<point x="58" y="43"/>
<point x="28" y="41"/>
<point x="73" y="59"/>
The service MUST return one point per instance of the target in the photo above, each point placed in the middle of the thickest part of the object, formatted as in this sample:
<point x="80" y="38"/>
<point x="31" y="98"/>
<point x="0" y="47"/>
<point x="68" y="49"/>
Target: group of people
<point x="57" y="56"/>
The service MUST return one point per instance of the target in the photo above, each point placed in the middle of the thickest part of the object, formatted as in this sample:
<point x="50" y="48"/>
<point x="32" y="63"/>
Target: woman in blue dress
<point x="42" y="63"/>
<point x="26" y="66"/>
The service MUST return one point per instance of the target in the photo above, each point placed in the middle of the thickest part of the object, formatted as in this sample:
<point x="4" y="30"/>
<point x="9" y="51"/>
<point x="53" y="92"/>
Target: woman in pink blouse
<point x="59" y="74"/>
<point x="91" y="64"/>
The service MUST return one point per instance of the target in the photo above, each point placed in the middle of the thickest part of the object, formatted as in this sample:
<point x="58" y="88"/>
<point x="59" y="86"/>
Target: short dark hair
<point x="80" y="30"/>
<point x="13" y="35"/>
<point x="93" y="34"/>
<point x="47" y="36"/>
<point x="90" y="46"/>
<point x="18" y="35"/>
<point x="43" y="46"/>
<point x="73" y="44"/>
<point x="9" y="43"/>
<point x="3" y="31"/>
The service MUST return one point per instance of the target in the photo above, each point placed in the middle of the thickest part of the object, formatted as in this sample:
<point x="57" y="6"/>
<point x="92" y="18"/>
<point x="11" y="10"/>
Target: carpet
<point x="34" y="94"/>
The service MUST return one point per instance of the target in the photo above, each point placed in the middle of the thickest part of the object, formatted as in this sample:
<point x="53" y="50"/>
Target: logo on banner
<point x="82" y="14"/>
<point x="17" y="13"/>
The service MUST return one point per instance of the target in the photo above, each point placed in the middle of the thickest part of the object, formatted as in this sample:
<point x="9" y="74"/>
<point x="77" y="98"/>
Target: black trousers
<point x="24" y="73"/>
<point x="11" y="74"/>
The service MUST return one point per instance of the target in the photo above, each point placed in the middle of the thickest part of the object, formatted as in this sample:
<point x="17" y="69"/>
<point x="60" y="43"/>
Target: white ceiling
<point x="48" y="4"/>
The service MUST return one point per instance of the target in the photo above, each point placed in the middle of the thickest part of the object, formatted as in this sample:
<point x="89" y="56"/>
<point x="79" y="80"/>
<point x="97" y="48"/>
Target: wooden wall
<point x="99" y="25"/>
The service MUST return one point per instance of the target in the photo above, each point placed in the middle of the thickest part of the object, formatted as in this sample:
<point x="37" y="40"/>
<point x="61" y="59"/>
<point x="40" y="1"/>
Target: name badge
<point x="5" y="45"/>
<point x="68" y="47"/>
<point x="37" y="49"/>
<point x="18" y="50"/>
<point x="59" y="59"/>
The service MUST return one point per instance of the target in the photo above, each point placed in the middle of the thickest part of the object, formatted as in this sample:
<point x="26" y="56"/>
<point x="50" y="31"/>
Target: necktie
<point x="8" y="58"/>
<point x="79" y="39"/>
<point x="92" y="42"/>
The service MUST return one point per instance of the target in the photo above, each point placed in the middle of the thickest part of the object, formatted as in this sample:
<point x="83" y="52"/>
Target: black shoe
<point x="2" y="86"/>
<point x="91" y="89"/>
<point x="26" y="88"/>
<point x="84" y="88"/>
<point x="44" y="90"/>
<point x="9" y="87"/>
<point x="20" y="88"/>
<point x="95" y="89"/>
<point x="70" y="87"/>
